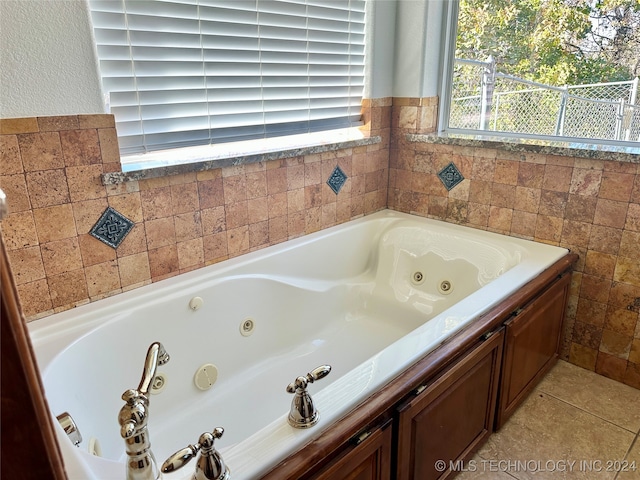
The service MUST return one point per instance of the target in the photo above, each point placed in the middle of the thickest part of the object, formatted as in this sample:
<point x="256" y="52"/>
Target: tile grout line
<point x="489" y="459"/>
<point x="503" y="471"/>
<point x="635" y="433"/>
<point x="633" y="442"/>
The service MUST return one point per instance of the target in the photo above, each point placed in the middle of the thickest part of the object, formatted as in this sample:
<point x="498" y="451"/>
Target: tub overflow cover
<point x="206" y="376"/>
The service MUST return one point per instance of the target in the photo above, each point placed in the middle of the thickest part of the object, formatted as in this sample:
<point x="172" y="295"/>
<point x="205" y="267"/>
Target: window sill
<point x="208" y="157"/>
<point x="620" y="153"/>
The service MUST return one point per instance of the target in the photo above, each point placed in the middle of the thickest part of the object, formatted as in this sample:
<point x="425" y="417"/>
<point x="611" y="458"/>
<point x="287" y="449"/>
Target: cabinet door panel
<point x="369" y="460"/>
<point x="531" y="346"/>
<point x="452" y="416"/>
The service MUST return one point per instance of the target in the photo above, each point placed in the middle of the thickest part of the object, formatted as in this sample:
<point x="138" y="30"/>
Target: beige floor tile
<point x="546" y="433"/>
<point x="479" y="469"/>
<point x="610" y="400"/>
<point x="630" y="467"/>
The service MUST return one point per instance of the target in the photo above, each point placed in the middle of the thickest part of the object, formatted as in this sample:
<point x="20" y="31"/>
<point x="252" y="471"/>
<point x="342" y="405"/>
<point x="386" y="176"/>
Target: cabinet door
<point x="370" y="459"/>
<point x="531" y="346"/>
<point x="452" y="416"/>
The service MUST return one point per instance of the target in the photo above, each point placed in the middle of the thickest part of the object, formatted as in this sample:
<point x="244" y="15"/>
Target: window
<point x="549" y="69"/>
<point x="180" y="73"/>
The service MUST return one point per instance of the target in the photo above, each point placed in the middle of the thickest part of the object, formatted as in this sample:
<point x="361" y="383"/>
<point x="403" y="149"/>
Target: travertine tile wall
<point x="50" y="169"/>
<point x="589" y="206"/>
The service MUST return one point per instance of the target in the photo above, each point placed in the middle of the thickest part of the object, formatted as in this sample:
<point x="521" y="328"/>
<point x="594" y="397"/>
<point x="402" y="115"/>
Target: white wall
<point x="420" y="25"/>
<point x="408" y="63"/>
<point x="47" y="60"/>
<point x="380" y="48"/>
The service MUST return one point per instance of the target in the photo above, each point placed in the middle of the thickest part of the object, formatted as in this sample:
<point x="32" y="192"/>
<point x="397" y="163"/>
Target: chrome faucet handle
<point x="303" y="413"/>
<point x="209" y="466"/>
<point x="301" y="382"/>
<point x="133" y="414"/>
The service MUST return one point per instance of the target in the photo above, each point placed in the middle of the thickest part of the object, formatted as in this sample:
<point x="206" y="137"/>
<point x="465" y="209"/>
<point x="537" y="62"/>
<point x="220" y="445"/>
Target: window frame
<point x="449" y="38"/>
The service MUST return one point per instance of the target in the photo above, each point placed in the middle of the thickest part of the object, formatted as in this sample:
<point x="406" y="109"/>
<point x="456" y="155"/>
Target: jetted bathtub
<point x="368" y="297"/>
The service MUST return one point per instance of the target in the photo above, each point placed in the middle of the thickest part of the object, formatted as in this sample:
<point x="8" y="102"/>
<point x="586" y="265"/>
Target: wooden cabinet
<point x="368" y="459"/>
<point x="531" y="346"/>
<point x="451" y="416"/>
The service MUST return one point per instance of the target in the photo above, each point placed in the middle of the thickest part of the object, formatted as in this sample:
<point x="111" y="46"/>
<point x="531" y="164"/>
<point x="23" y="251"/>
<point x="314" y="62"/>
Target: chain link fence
<point x="634" y="122"/>
<point x="590" y="119"/>
<point x="466" y="94"/>
<point x="519" y="108"/>
<point x="484" y="99"/>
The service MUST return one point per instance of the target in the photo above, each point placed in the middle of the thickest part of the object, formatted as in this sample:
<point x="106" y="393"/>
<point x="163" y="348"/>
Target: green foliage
<point x="555" y="42"/>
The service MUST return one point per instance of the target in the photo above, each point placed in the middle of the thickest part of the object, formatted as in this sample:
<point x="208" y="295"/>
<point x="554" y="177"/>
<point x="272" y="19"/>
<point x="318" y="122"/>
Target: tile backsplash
<point x="50" y="169"/>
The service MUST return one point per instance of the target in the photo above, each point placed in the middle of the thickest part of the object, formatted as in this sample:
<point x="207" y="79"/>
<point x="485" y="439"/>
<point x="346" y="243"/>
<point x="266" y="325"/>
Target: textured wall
<point x="589" y="206"/>
<point x="47" y="61"/>
<point x="50" y="170"/>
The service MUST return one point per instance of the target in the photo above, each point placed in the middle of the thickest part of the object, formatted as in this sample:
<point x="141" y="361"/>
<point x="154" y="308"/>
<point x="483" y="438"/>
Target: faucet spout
<point x="133" y="418"/>
<point x="156" y="355"/>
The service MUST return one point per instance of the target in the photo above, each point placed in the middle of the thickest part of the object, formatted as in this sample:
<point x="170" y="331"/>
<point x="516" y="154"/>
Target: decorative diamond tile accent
<point x="450" y="176"/>
<point x="337" y="179"/>
<point x="112" y="227"/>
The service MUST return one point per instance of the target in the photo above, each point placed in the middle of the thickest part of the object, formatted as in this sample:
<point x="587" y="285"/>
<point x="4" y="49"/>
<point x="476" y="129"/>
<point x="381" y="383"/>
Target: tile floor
<point x="574" y="425"/>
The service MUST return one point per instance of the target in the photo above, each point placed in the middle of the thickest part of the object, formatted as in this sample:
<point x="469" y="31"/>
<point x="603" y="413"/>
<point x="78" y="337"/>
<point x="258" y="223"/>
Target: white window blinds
<point x="193" y="72"/>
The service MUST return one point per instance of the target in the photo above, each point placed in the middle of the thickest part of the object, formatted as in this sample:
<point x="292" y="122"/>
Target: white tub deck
<point x="346" y="296"/>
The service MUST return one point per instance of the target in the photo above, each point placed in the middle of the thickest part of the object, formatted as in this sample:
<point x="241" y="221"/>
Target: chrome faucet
<point x="303" y="413"/>
<point x="209" y="465"/>
<point x="133" y="418"/>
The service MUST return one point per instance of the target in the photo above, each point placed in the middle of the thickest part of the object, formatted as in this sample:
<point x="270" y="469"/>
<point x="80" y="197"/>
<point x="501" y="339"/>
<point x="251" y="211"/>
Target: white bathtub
<point x="346" y="296"/>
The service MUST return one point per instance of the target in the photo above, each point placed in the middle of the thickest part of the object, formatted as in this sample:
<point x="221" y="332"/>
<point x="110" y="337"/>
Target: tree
<point x="555" y="42"/>
<point x="618" y="37"/>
